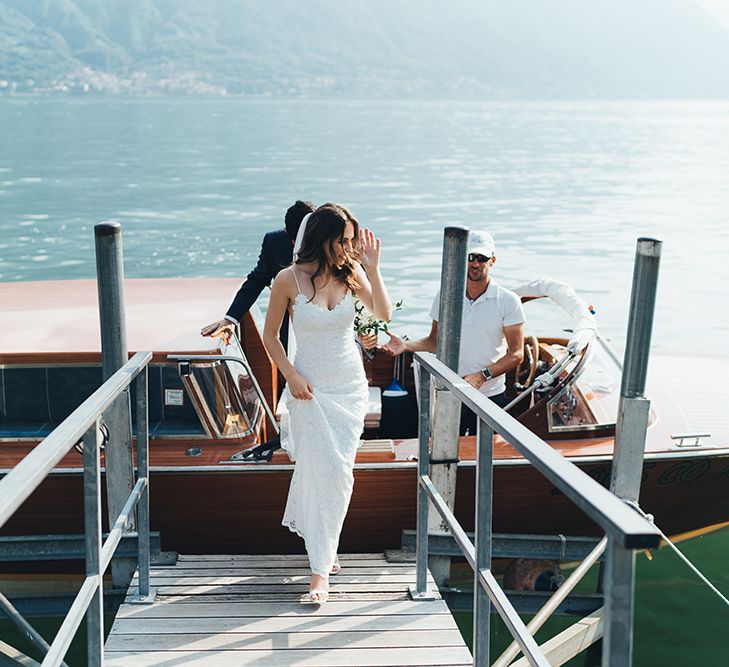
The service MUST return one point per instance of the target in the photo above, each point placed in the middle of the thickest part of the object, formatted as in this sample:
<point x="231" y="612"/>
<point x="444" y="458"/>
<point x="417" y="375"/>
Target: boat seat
<point x="374" y="408"/>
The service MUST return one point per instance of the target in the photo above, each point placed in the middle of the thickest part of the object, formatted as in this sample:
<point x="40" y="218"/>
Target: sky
<point x="718" y="8"/>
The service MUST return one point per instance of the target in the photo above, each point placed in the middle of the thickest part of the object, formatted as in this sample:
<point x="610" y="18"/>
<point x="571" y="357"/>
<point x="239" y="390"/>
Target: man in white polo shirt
<point x="492" y="331"/>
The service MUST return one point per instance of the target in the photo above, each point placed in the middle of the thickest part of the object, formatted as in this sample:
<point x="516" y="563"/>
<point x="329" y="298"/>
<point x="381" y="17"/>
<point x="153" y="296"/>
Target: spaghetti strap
<point x="293" y="273"/>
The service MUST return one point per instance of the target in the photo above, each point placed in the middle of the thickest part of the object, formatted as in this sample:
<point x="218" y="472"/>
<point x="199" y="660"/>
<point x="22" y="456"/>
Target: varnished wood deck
<point x="245" y="610"/>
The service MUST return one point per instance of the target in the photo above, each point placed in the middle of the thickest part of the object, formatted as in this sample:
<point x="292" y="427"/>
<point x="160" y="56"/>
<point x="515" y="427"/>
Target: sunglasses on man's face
<point x="475" y="257"/>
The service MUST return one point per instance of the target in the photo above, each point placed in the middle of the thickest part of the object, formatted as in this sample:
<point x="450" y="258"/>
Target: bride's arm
<point x="372" y="292"/>
<point x="283" y="292"/>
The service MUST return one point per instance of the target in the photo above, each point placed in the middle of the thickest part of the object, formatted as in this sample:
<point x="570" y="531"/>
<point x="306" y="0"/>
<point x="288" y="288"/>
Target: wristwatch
<point x="486" y="374"/>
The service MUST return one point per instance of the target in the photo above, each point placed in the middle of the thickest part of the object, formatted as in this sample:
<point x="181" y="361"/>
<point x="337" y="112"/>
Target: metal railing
<point x="626" y="530"/>
<point x="84" y="424"/>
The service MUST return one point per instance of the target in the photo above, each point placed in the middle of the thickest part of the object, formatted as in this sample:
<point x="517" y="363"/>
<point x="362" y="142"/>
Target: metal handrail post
<point x="118" y="460"/>
<point x="420" y="592"/>
<point x="634" y="408"/>
<point x="452" y="290"/>
<point x="447" y="410"/>
<point x="642" y="306"/>
<point x="143" y="473"/>
<point x="617" y="648"/>
<point x="629" y="450"/>
<point x="112" y="312"/>
<point x="92" y="526"/>
<point x="482" y="543"/>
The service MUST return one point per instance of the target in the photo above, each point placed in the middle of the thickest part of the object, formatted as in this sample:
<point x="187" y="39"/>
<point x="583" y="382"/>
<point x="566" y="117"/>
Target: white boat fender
<point x="584" y="326"/>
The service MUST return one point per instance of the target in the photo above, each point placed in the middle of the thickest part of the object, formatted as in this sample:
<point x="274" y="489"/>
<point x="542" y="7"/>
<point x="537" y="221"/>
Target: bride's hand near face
<point x="370" y="249"/>
<point x="372" y="290"/>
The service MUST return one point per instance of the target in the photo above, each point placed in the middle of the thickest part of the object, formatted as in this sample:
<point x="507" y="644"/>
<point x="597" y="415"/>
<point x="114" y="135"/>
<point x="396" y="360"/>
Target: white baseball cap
<point x="481" y="243"/>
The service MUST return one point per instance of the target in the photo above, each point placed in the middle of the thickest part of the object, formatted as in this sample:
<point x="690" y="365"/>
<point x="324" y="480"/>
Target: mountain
<point x="367" y="48"/>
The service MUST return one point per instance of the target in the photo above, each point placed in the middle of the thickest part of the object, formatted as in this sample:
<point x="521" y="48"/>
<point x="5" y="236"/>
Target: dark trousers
<point x="468" y="417"/>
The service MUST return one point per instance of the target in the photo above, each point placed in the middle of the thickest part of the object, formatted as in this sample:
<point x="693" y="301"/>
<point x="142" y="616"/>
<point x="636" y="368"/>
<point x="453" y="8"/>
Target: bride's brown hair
<point x="325" y="226"/>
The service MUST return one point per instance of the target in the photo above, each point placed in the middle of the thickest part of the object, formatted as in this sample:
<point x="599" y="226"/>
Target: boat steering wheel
<point x="527" y="369"/>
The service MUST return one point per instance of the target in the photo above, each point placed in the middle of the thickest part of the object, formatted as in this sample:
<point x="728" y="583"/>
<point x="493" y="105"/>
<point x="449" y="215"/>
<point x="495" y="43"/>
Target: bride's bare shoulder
<point x="285" y="282"/>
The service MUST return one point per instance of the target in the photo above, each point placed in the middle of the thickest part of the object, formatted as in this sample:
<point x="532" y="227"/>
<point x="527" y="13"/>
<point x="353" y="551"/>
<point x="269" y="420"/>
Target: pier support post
<point x="447" y="408"/>
<point x="633" y="413"/>
<point x="634" y="408"/>
<point x="118" y="460"/>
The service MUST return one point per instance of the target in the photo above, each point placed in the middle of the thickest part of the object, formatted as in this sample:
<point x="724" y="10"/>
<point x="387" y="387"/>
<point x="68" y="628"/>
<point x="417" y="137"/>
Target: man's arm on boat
<point x="258" y="279"/>
<point x="397" y="345"/>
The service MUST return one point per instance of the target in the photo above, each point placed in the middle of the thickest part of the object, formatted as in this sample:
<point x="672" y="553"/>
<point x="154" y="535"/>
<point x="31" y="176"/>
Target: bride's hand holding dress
<point x="299" y="387"/>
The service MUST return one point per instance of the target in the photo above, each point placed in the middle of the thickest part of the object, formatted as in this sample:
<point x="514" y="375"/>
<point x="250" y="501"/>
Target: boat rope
<point x="679" y="553"/>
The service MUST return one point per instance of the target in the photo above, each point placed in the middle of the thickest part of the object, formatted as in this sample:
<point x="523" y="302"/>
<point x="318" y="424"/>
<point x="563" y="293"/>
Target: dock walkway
<point x="244" y="610"/>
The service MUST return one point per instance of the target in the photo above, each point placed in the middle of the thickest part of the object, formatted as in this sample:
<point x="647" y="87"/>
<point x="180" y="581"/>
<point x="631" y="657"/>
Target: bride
<point x="326" y="387"/>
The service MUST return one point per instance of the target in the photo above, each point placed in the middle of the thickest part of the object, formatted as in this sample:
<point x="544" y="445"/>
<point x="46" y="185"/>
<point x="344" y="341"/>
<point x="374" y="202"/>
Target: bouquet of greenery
<point x="367" y="325"/>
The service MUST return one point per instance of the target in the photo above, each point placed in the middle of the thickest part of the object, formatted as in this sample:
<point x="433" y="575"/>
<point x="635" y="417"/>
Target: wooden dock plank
<point x="291" y="562"/>
<point x="297" y="623"/>
<point x="341" y="580"/>
<point x="287" y="597"/>
<point x="239" y="610"/>
<point x="269" y="558"/>
<point x="274" y="588"/>
<point x="172" y="608"/>
<point x="297" y="576"/>
<point x="403" y="657"/>
<point x="179" y="571"/>
<point x="245" y="641"/>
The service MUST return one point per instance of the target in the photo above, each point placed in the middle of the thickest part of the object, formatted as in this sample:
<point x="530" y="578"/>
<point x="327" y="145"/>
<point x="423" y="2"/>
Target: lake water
<point x="565" y="187"/>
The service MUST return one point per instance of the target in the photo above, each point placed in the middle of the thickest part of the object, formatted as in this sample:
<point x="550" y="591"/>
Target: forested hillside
<point x="366" y="48"/>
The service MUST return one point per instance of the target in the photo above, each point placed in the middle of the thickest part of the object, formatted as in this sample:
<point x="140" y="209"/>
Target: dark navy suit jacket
<point x="276" y="253"/>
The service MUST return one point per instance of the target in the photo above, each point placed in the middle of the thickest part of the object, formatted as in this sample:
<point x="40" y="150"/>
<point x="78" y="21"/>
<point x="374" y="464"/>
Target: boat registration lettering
<point x="174" y="397"/>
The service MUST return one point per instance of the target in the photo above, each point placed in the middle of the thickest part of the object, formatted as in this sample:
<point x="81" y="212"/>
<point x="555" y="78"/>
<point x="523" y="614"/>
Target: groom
<point x="277" y="252"/>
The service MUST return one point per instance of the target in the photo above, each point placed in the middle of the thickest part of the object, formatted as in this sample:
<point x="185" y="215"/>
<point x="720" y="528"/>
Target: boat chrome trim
<point x="229" y="466"/>
<point x="696" y="437"/>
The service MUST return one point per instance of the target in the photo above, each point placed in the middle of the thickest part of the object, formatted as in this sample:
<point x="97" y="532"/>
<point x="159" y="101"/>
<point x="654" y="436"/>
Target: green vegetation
<point x="366" y="48"/>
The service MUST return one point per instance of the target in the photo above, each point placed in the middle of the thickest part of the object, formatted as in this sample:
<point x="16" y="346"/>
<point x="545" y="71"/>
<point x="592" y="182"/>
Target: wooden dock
<point x="244" y="610"/>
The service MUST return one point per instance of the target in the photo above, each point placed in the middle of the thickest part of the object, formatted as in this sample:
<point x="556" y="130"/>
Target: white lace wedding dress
<point x="322" y="434"/>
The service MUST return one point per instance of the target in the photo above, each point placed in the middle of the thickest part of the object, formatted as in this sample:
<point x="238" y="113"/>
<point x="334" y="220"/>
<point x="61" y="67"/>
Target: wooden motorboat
<point x="202" y="413"/>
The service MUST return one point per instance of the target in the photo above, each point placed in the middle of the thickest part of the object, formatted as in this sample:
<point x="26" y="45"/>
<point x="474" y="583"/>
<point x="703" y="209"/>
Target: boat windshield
<point x="590" y="401"/>
<point x="36" y="399"/>
<point x="224" y="394"/>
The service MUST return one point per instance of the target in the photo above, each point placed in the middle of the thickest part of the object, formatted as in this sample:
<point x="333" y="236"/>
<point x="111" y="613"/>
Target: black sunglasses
<point x="475" y="257"/>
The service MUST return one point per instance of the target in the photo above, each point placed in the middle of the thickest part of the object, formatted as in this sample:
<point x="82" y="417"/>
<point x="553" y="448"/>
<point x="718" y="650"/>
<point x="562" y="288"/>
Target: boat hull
<point x="239" y="509"/>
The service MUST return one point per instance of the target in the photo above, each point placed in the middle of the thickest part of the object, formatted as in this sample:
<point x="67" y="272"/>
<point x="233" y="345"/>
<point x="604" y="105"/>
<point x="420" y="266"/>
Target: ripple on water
<point x="148" y="215"/>
<point x="209" y="196"/>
